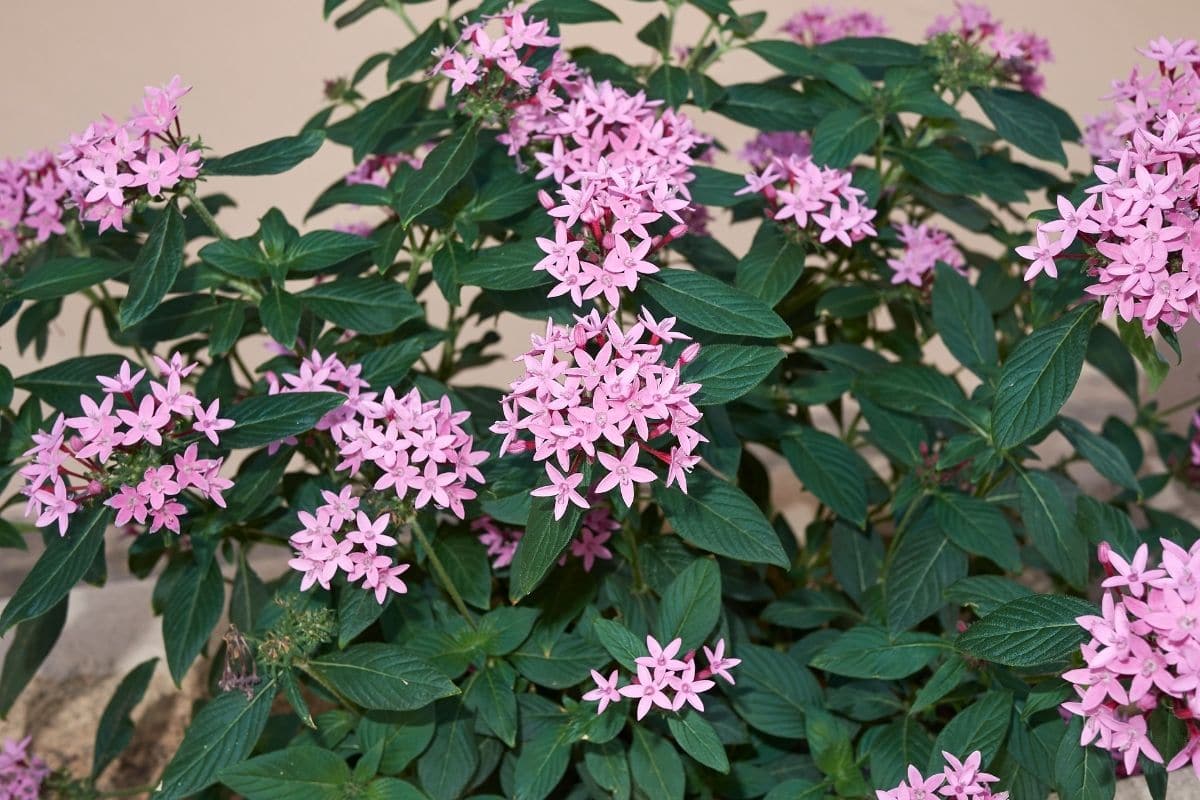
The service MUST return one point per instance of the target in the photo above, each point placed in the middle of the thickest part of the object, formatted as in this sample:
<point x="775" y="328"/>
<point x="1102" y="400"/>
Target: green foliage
<point x="894" y="625"/>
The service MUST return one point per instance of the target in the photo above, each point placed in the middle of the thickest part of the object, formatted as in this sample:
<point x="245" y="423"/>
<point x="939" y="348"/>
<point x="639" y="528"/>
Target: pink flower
<point x="370" y="533"/>
<point x="688" y="688"/>
<point x="649" y="690"/>
<point x="563" y="490"/>
<point x="605" y="692"/>
<point x="207" y="422"/>
<point x="146" y="423"/>
<point x="590" y="546"/>
<point x="57" y="507"/>
<point x="1042" y="256"/>
<point x="123" y="381"/>
<point x="662" y="658"/>
<point x="718" y="664"/>
<point x="623" y="472"/>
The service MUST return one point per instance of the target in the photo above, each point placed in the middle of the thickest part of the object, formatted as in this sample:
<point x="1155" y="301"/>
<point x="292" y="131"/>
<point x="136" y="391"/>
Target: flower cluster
<point x="821" y="24"/>
<point x="323" y="548"/>
<point x="594" y="392"/>
<point x="377" y="170"/>
<point x="1018" y="54"/>
<point x="621" y="161"/>
<point x="658" y="672"/>
<point x="1140" y="224"/>
<point x="1143" y="101"/>
<point x="33" y="194"/>
<point x="765" y="147"/>
<point x="411" y="445"/>
<point x="797" y="190"/>
<point x="118" y="448"/>
<point x="959" y="779"/>
<point x="924" y="246"/>
<point x="596" y="529"/>
<point x="21" y="773"/>
<point x="111" y="165"/>
<point x="1145" y="648"/>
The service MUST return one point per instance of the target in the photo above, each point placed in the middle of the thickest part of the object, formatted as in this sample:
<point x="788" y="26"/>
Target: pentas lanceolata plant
<point x="21" y="772"/>
<point x="1139" y="227"/>
<point x="570" y="575"/>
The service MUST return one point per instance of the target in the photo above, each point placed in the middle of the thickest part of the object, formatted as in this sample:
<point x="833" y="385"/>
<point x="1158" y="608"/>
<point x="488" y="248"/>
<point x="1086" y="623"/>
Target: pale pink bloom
<point x="605" y="692"/>
<point x="207" y="422"/>
<point x="648" y="689"/>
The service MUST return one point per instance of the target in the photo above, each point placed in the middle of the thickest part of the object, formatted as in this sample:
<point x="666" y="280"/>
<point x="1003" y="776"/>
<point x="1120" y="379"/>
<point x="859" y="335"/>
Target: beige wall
<point x="257" y="68"/>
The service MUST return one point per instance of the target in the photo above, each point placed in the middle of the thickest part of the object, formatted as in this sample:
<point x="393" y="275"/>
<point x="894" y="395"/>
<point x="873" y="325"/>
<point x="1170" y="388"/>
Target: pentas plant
<point x="582" y="584"/>
<point x="21" y="772"/>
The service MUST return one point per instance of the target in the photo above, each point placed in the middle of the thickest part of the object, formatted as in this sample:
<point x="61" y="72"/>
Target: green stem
<point x="237" y="359"/>
<point x="128" y="792"/>
<point x="1191" y="402"/>
<point x="202" y="212"/>
<point x="439" y="569"/>
<point x="398" y="7"/>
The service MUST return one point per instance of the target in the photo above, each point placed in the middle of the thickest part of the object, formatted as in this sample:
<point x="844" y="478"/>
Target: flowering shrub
<point x="583" y="584"/>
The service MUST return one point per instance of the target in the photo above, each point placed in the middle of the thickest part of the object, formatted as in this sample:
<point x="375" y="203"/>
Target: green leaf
<point x="711" y="305"/>
<point x="280" y="314"/>
<point x="566" y="12"/>
<point x="1083" y="773"/>
<point x="501" y="197"/>
<point x="773" y="690"/>
<point x="357" y="610"/>
<point x="829" y="742"/>
<point x="220" y="735"/>
<point x="543" y="542"/>
<point x="447" y="766"/>
<point x="620" y="643"/>
<point x="772" y="266"/>
<point x="317" y="250"/>
<point x="542" y="762"/>
<point x="381" y="677"/>
<point x="293" y="773"/>
<point x="1105" y="456"/>
<point x="1038" y="376"/>
<point x="767" y="107"/>
<point x="1020" y="119"/>
<point x="842" y="135"/>
<point x="1142" y="348"/>
<point x="1029" y="631"/>
<point x="725" y="372"/>
<point x="829" y="468"/>
<point x="59" y="277"/>
<point x="358" y="194"/>
<point x="980" y="726"/>
<point x="247" y="596"/>
<point x="872" y="51"/>
<point x="415" y="54"/>
<point x="1107" y="353"/>
<point x="668" y="83"/>
<point x="940" y="170"/>
<point x="195" y="604"/>
<point x="402" y="736"/>
<point x="242" y="258"/>
<point x="156" y="268"/>
<point x="923" y="564"/>
<point x="387" y="366"/>
<point x="65" y="560"/>
<point x="977" y="527"/>
<point x="442" y="169"/>
<point x="918" y="390"/>
<point x="609" y="767"/>
<point x="656" y="767"/>
<point x="490" y="695"/>
<point x="115" y="729"/>
<point x="697" y="737"/>
<point x="508" y="267"/>
<point x="33" y="641"/>
<point x="691" y="604"/>
<point x="964" y="321"/>
<point x="721" y="519"/>
<point x="1051" y="527"/>
<point x="466" y="561"/>
<point x="365" y="130"/>
<point x="714" y="187"/>
<point x="867" y="651"/>
<point x="364" y="305"/>
<point x="262" y="420"/>
<point x="985" y="593"/>
<point x="789" y="57"/>
<point x="945" y="680"/>
<point x="268" y="158"/>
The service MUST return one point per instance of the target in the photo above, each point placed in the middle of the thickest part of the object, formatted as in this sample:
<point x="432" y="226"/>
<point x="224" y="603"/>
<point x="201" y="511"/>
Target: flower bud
<point x="1103" y="553"/>
<point x="689" y="353"/>
<point x="679" y="230"/>
<point x="545" y="199"/>
<point x="579" y="336"/>
<point x="609" y="241"/>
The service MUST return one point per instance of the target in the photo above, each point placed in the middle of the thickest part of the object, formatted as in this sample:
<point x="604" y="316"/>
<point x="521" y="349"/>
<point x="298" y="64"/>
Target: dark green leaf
<point x="1083" y="773"/>
<point x="115" y="729"/>
<point x="842" y="135"/>
<point x="1051" y="527"/>
<point x="868" y="652"/>
<point x="977" y="527"/>
<point x="696" y="737"/>
<point x="721" y="519"/>
<point x="980" y="726"/>
<point x="711" y="305"/>
<point x="725" y="372"/>
<point x="268" y="158"/>
<point x="195" y="604"/>
<point x="381" y="677"/>
<point x="691" y="604"/>
<point x="1028" y="632"/>
<point x="442" y="169"/>
<point x="262" y="420"/>
<point x="317" y="250"/>
<point x="280" y="314"/>
<point x="363" y="305"/>
<point x="60" y="277"/>
<point x="829" y="468"/>
<point x="656" y="767"/>
<point x="1038" y="376"/>
<point x="65" y="560"/>
<point x="923" y="564"/>
<point x="772" y="266"/>
<point x="220" y="735"/>
<point x="963" y="320"/>
<point x="1020" y="119"/>
<point x="157" y="265"/>
<point x="543" y="542"/>
<point x="33" y="641"/>
<point x="1105" y="456"/>
<point x="293" y="773"/>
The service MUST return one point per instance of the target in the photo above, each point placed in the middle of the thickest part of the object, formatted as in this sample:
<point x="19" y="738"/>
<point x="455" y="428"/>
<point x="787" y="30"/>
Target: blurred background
<point x="258" y="68"/>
